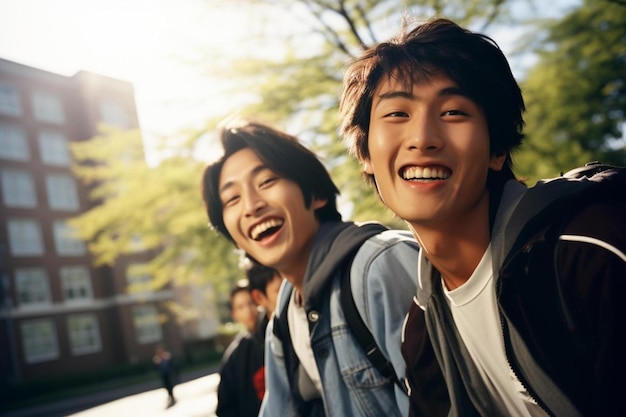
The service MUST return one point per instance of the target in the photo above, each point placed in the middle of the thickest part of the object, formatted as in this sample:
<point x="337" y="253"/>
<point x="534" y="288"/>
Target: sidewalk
<point x="77" y="404"/>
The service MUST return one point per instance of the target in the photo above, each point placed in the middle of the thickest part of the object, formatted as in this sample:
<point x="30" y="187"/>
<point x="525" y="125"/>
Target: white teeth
<point x="263" y="227"/>
<point x="425" y="173"/>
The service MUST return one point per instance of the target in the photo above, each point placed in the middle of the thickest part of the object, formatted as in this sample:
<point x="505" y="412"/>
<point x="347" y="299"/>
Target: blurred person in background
<point x="242" y="374"/>
<point x="264" y="284"/>
<point x="165" y="365"/>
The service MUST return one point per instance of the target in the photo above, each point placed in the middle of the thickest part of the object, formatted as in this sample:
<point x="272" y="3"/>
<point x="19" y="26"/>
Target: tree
<point x="296" y="87"/>
<point x="160" y="209"/>
<point x="576" y="93"/>
<point x="299" y="89"/>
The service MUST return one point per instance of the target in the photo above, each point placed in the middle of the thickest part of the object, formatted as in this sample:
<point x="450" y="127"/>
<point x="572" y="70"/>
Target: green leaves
<point x="576" y="93"/>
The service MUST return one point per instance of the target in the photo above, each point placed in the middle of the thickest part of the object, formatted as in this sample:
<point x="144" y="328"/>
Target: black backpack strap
<point x="361" y="332"/>
<point x="305" y="408"/>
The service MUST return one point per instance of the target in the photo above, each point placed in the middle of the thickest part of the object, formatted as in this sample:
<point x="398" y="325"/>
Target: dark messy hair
<point x="282" y="154"/>
<point x="259" y="276"/>
<point x="472" y="60"/>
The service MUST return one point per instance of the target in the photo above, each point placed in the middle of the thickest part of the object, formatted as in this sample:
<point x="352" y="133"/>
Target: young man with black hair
<point x="521" y="287"/>
<point x="242" y="382"/>
<point x="274" y="200"/>
<point x="264" y="284"/>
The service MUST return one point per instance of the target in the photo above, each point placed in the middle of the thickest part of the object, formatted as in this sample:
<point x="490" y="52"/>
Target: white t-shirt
<point x="301" y="341"/>
<point x="475" y="313"/>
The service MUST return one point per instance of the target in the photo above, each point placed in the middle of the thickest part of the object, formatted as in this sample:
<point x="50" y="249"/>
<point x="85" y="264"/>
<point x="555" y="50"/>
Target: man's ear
<point x="318" y="202"/>
<point x="258" y="298"/>
<point x="367" y="166"/>
<point x="497" y="161"/>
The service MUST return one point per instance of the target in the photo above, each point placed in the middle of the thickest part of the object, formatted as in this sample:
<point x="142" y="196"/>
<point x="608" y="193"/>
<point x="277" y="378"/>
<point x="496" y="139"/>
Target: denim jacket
<point x="383" y="280"/>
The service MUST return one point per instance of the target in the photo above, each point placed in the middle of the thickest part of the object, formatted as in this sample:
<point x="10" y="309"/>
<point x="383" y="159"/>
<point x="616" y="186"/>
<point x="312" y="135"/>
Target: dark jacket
<point x="559" y="290"/>
<point x="242" y="375"/>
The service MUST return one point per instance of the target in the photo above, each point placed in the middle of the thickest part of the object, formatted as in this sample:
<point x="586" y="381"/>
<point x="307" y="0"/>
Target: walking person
<point x="164" y="363"/>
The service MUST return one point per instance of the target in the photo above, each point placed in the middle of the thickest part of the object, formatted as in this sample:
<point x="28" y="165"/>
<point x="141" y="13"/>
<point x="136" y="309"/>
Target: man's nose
<point x="423" y="135"/>
<point x="253" y="202"/>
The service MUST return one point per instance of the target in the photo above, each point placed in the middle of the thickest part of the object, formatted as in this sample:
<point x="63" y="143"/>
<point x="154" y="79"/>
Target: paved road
<point x="196" y="397"/>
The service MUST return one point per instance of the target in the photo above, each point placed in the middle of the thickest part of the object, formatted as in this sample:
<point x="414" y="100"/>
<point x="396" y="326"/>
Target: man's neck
<point x="455" y="251"/>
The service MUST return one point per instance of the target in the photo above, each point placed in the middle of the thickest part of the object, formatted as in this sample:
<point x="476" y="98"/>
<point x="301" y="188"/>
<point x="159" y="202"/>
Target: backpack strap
<point x="361" y="332"/>
<point x="306" y="408"/>
<point x="350" y="242"/>
<point x="345" y="246"/>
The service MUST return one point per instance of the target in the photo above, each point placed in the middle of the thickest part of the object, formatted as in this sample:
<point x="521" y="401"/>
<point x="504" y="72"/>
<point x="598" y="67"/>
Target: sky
<point x="149" y="43"/>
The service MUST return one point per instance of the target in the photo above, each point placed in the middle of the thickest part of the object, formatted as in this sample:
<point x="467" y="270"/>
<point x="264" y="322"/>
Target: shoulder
<point x="230" y="353"/>
<point x="386" y="245"/>
<point x="391" y="254"/>
<point x="385" y="253"/>
<point x="384" y="271"/>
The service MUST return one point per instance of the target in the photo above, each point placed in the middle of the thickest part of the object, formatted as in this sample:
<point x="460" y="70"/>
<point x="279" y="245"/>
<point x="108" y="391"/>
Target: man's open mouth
<point x="266" y="228"/>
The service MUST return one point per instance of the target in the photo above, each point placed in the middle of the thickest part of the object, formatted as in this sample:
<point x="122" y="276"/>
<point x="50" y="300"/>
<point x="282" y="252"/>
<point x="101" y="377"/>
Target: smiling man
<point x="522" y="296"/>
<point x="275" y="200"/>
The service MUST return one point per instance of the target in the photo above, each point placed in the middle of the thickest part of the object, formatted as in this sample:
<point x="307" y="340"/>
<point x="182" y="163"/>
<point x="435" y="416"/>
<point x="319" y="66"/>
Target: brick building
<point x="58" y="313"/>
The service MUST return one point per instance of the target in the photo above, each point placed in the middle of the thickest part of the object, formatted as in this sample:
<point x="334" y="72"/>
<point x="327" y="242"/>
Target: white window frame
<point x="62" y="192"/>
<point x="10" y="100"/>
<point x="53" y="148"/>
<point x="48" y="107"/>
<point x="83" y="331"/>
<point x="147" y="324"/>
<point x="66" y="243"/>
<point x="32" y="288"/>
<point x="76" y="284"/>
<point x="13" y="143"/>
<point x="18" y="188"/>
<point x="39" y="340"/>
<point x="25" y="237"/>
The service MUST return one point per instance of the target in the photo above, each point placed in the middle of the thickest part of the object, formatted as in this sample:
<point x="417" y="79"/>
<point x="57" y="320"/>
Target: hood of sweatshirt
<point x="334" y="244"/>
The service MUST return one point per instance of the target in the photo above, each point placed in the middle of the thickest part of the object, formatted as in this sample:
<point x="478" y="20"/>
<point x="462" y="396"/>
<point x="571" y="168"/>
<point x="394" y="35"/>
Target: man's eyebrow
<point x="395" y="94"/>
<point x="447" y="91"/>
<point x="453" y="91"/>
<point x="253" y="172"/>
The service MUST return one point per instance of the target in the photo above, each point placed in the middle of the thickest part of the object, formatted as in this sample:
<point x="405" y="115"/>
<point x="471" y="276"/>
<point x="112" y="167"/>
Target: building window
<point x="10" y="102"/>
<point x="53" y="148"/>
<point x="138" y="278"/>
<point x="114" y="114"/>
<point x="65" y="240"/>
<point x="25" y="237"/>
<point x="33" y="289"/>
<point x="84" y="334"/>
<point x="146" y="321"/>
<point x="76" y="283"/>
<point x="39" y="339"/>
<point x="13" y="144"/>
<point x="62" y="192"/>
<point x="18" y="189"/>
<point x="48" y="108"/>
